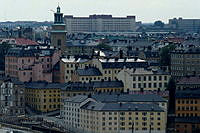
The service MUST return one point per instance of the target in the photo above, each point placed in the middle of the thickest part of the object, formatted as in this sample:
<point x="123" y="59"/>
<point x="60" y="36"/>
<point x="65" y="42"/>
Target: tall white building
<point x="187" y="25"/>
<point x="99" y="23"/>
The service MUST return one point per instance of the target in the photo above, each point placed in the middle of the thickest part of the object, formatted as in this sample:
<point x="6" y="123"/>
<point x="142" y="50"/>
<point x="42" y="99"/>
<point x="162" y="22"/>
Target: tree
<point x="159" y="24"/>
<point x="165" y="55"/>
<point x="4" y="47"/>
<point x="103" y="46"/>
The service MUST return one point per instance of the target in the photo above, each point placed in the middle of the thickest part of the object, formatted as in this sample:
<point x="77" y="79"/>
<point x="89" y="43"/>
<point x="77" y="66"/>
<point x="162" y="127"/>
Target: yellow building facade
<point x="43" y="97"/>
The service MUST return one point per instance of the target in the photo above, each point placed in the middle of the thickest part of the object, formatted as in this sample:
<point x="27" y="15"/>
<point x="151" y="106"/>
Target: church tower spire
<point x="58" y="32"/>
<point x="58" y="16"/>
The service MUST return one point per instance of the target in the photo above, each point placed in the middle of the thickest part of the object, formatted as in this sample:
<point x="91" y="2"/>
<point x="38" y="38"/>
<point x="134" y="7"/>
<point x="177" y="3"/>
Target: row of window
<point x="187" y="101"/>
<point x="149" y="78"/>
<point x="150" y="85"/>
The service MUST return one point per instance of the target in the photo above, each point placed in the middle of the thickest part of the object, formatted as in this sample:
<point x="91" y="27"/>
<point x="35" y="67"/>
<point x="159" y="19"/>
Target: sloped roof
<point x="23" y="41"/>
<point x="89" y="72"/>
<point x="121" y="107"/>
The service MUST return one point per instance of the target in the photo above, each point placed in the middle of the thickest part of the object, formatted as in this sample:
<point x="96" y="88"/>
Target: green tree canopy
<point x="4" y="47"/>
<point x="165" y="58"/>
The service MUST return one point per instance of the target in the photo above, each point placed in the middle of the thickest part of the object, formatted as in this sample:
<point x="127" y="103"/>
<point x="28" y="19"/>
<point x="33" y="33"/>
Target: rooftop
<point x="116" y="98"/>
<point x="89" y="72"/>
<point x="189" y="80"/>
<point x="43" y="85"/>
<point x="121" y="107"/>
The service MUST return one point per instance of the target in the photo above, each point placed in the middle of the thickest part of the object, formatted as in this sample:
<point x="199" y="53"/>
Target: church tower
<point x="58" y="32"/>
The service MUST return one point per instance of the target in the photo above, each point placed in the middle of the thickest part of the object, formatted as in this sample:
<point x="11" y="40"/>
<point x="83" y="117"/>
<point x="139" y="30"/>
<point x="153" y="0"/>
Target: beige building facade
<point x="143" y="79"/>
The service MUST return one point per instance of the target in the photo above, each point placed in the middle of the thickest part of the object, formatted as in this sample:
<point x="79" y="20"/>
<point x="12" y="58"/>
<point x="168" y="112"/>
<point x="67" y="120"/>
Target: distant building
<point x="111" y="113"/>
<point x="186" y="25"/>
<point x="100" y="23"/>
<point x="185" y="62"/>
<point x="12" y="98"/>
<point x="141" y="79"/>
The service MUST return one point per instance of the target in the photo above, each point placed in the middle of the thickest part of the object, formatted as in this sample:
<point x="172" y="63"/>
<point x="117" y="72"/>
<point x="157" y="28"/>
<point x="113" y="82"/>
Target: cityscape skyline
<point x="151" y="10"/>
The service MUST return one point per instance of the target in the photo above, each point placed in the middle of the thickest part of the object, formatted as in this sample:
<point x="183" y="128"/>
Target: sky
<point x="146" y="11"/>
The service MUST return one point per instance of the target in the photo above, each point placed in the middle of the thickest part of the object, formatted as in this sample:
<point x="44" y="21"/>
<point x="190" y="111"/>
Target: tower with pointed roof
<point x="58" y="32"/>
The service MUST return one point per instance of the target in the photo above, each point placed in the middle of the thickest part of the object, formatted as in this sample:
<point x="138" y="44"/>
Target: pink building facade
<point x="31" y="64"/>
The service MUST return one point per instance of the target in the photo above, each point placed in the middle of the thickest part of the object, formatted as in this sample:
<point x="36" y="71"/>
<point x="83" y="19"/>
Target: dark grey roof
<point x="43" y="85"/>
<point x="188" y="93"/>
<point x="89" y="72"/>
<point x="128" y="98"/>
<point x="78" y="86"/>
<point x="190" y="120"/>
<point x="107" y="84"/>
<point x="107" y="65"/>
<point x="121" y="107"/>
<point x="152" y="54"/>
<point x="29" y="52"/>
<point x="77" y="99"/>
<point x="195" y="50"/>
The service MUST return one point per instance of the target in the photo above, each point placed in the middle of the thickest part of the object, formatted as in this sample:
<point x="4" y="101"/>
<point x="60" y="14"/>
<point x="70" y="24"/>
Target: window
<point x="149" y="85"/>
<point x="139" y="85"/>
<point x="160" y="77"/>
<point x="134" y="78"/>
<point x="144" y="85"/>
<point x="160" y="85"/>
<point x="155" y="85"/>
<point x="59" y="42"/>
<point x="134" y="85"/>
<point x="144" y="78"/>
<point x="139" y="78"/>
<point x="154" y="78"/>
<point x="149" y="78"/>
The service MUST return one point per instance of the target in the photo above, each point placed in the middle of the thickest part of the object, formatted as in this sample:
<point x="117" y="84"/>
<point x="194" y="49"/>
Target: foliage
<point x="103" y="46"/>
<point x="4" y="47"/>
<point x="159" y="24"/>
<point x="165" y="58"/>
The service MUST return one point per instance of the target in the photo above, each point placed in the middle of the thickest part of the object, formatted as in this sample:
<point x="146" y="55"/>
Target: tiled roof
<point x="23" y="41"/>
<point x="121" y="107"/>
<point x="89" y="72"/>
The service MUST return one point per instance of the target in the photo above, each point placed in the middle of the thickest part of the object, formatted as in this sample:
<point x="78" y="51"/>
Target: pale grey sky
<point x="144" y="10"/>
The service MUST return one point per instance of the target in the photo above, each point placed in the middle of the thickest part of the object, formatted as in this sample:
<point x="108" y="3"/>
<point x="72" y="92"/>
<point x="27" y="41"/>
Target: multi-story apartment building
<point x="43" y="96"/>
<point x="31" y="63"/>
<point x="78" y="88"/>
<point x="187" y="111"/>
<point x="12" y="101"/>
<point x="99" y="23"/>
<point x="185" y="62"/>
<point x="187" y="25"/>
<point x="115" y="113"/>
<point x="108" y="69"/>
<point x="143" y="79"/>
